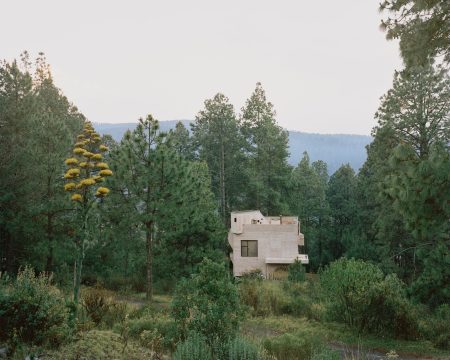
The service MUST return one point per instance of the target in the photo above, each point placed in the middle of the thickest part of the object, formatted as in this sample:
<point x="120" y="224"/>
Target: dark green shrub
<point x="296" y="272"/>
<point x="194" y="347"/>
<point x="208" y="304"/>
<point x="291" y="347"/>
<point x="32" y="311"/>
<point x="358" y="294"/>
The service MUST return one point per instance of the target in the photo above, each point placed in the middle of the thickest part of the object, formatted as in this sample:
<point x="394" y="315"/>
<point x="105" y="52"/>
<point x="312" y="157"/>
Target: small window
<point x="254" y="221"/>
<point x="235" y="219"/>
<point x="249" y="248"/>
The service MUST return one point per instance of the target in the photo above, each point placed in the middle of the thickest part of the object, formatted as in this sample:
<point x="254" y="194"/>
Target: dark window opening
<point x="235" y="219"/>
<point x="249" y="248"/>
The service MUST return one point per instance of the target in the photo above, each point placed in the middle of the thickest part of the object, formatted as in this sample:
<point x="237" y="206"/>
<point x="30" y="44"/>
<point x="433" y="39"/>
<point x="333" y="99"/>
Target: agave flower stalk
<point x="86" y="170"/>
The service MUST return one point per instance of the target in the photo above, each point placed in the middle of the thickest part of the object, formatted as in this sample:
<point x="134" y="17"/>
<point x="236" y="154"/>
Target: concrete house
<point x="266" y="243"/>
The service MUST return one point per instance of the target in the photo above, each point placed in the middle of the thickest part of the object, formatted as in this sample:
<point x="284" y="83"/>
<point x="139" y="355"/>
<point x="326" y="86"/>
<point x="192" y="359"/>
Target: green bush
<point x="296" y="272"/>
<point x="207" y="304"/>
<point x="157" y="323"/>
<point x="358" y="294"/>
<point x="32" y="311"/>
<point x="240" y="349"/>
<point x="436" y="327"/>
<point x="291" y="347"/>
<point x="97" y="344"/>
<point x="193" y="348"/>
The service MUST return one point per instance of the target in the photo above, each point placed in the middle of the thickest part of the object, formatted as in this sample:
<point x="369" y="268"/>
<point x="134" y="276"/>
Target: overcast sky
<point x="323" y="64"/>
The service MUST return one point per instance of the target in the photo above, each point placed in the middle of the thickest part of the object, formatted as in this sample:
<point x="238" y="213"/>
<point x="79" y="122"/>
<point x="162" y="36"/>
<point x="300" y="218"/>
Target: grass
<point x="335" y="334"/>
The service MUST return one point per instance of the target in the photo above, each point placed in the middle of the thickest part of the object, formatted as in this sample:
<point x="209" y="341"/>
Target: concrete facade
<point x="278" y="240"/>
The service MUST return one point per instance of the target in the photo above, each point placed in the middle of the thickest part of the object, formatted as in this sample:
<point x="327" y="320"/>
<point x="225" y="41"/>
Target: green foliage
<point x="296" y="272"/>
<point x="436" y="327"/>
<point x="207" y="303"/>
<point x="96" y="344"/>
<point x="291" y="347"/>
<point x="358" y="294"/>
<point x="307" y="200"/>
<point x="32" y="311"/>
<point x="421" y="26"/>
<point x="267" y="145"/>
<point x="241" y="349"/>
<point x="193" y="348"/>
<point x="218" y="142"/>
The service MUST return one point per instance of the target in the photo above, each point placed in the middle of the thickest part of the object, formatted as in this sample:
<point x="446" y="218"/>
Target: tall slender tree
<point x="219" y="143"/>
<point x="268" y="154"/>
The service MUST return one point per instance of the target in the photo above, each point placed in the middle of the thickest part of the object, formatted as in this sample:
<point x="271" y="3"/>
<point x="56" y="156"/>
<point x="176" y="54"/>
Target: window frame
<point x="245" y="245"/>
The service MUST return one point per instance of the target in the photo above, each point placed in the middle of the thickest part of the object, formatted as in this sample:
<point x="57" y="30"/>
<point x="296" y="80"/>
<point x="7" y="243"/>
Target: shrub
<point x="436" y="327"/>
<point x="207" y="304"/>
<point x="291" y="347"/>
<point x="241" y="349"/>
<point x="97" y="344"/>
<point x="32" y="311"/>
<point x="296" y="272"/>
<point x="358" y="294"/>
<point x="194" y="348"/>
<point x="157" y="323"/>
<point x="101" y="307"/>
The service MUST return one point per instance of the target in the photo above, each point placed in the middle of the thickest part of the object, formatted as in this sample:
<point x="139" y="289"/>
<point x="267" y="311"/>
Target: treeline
<point x="172" y="192"/>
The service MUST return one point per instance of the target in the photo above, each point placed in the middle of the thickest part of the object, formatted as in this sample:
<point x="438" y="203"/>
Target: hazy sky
<point x="323" y="64"/>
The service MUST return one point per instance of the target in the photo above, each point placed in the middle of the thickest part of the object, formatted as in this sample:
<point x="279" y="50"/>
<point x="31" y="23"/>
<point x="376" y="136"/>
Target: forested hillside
<point x="333" y="149"/>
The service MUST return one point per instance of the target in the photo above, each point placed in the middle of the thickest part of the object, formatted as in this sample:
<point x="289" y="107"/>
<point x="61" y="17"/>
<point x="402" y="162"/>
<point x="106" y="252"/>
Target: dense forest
<point x="333" y="149"/>
<point x="150" y="213"/>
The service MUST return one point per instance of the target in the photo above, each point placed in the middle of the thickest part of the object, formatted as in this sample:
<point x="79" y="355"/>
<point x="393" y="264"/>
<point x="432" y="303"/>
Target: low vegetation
<point x="211" y="316"/>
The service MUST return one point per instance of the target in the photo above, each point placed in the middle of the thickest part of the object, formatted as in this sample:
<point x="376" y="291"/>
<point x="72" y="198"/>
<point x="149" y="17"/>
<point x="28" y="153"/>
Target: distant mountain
<point x="335" y="150"/>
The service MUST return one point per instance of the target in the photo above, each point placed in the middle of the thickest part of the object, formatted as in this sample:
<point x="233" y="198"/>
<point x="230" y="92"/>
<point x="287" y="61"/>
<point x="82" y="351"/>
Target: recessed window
<point x="235" y="219"/>
<point x="249" y="248"/>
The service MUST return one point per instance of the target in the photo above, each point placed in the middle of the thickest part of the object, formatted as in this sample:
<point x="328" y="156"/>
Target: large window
<point x="249" y="248"/>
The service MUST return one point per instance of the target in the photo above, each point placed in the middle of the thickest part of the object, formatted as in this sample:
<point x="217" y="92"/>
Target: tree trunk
<point x="51" y="245"/>
<point x="149" y="245"/>
<point x="78" y="266"/>
<point x="222" y="183"/>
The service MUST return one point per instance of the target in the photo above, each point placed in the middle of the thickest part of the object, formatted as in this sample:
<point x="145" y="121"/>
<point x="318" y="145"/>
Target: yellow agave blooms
<point x="71" y="173"/>
<point x="97" y="157"/>
<point x="105" y="172"/>
<point x="77" y="197"/>
<point x="102" y="191"/>
<point x="87" y="182"/>
<point x="78" y="151"/>
<point x="83" y="164"/>
<point x="71" y="161"/>
<point x="103" y="148"/>
<point x="102" y="165"/>
<point x="79" y="144"/>
<point x="80" y="137"/>
<point x="88" y="154"/>
<point x="69" y="186"/>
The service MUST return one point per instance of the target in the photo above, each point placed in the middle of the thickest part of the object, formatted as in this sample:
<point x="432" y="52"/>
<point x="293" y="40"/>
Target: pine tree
<point x="268" y="152"/>
<point x="307" y="189"/>
<point x="218" y="142"/>
<point x="423" y="28"/>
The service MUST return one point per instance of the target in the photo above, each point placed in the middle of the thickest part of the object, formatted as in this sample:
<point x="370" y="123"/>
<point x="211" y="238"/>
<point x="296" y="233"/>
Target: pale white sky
<point x="323" y="64"/>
